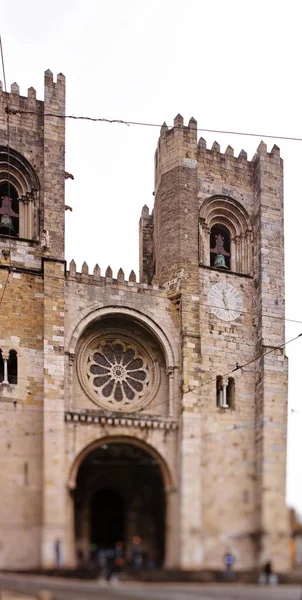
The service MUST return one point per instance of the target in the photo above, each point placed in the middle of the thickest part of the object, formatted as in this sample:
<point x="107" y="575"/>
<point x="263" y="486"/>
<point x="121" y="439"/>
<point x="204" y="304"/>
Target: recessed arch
<point x="120" y="439"/>
<point x="226" y="212"/>
<point x="98" y="313"/>
<point x="121" y="490"/>
<point x="230" y="210"/>
<point x="17" y="173"/>
<point x="15" y="167"/>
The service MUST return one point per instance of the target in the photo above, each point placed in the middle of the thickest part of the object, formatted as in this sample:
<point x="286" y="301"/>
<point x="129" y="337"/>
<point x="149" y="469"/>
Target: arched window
<point x="9" y="367"/>
<point x="220" y="247"/>
<point x="225" y="235"/>
<point x="9" y="210"/>
<point x="19" y="195"/>
<point x="225" y="392"/>
<point x="12" y="367"/>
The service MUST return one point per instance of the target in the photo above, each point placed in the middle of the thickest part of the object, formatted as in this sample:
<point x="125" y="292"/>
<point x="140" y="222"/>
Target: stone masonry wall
<point x="21" y="328"/>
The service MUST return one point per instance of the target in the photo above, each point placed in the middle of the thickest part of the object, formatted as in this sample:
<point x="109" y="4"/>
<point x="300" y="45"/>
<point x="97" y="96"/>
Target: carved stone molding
<point x="114" y="421"/>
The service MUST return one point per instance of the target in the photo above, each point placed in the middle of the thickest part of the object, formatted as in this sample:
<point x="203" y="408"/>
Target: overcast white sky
<point x="233" y="65"/>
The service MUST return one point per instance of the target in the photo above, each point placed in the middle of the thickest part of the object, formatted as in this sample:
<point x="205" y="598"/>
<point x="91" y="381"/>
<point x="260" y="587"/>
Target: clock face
<point x="225" y="302"/>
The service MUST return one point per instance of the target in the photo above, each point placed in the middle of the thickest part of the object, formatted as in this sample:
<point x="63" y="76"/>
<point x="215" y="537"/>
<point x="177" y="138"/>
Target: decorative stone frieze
<point x="141" y="422"/>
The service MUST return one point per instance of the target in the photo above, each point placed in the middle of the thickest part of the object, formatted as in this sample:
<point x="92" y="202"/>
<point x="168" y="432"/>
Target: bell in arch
<point x="219" y="249"/>
<point x="6" y="213"/>
<point x="219" y="262"/>
<point x="6" y="226"/>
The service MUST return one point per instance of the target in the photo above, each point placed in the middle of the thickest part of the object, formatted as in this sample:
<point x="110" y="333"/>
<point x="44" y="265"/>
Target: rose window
<point x="117" y="372"/>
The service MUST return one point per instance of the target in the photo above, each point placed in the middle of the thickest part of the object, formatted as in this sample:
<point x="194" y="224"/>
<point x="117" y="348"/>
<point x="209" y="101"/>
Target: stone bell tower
<point x="217" y="247"/>
<point x="32" y="269"/>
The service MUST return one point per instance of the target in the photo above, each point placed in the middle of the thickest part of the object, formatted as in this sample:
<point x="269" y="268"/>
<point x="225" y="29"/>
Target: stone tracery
<point x="117" y="372"/>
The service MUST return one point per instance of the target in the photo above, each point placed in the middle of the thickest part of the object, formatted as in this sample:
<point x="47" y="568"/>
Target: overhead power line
<point x="242" y="312"/>
<point x="16" y="111"/>
<point x="239" y="367"/>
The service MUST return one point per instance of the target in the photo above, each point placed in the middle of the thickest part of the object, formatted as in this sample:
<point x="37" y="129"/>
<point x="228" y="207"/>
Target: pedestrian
<point x="268" y="572"/>
<point x="119" y="556"/>
<point x="137" y="554"/>
<point x="58" y="553"/>
<point x="229" y="560"/>
<point x="109" y="563"/>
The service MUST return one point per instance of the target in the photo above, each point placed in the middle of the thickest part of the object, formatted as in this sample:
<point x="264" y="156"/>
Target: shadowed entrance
<point x="119" y="495"/>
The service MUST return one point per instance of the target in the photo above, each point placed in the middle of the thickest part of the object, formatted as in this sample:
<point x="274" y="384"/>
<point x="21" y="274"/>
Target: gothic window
<point x="225" y="392"/>
<point x="9" y="210"/>
<point x="220" y="247"/>
<point x="9" y="367"/>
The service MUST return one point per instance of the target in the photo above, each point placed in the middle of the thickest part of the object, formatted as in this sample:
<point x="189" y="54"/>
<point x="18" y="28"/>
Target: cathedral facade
<point x="152" y="409"/>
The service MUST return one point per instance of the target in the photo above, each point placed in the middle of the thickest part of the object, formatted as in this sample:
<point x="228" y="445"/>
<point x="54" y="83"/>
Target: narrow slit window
<point x="219" y="391"/>
<point x="1" y="367"/>
<point x="230" y="393"/>
<point x="12" y="367"/>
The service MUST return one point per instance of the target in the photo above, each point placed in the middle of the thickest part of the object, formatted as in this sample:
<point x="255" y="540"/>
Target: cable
<point x="8" y="163"/>
<point x="15" y="111"/>
<point x="4" y="287"/>
<point x="3" y="69"/>
<point x="249" y="362"/>
<point x="236" y="368"/>
<point x="253" y="424"/>
<point x="242" y="312"/>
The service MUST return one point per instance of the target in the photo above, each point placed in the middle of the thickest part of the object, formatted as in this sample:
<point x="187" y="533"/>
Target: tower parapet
<point x="176" y="147"/>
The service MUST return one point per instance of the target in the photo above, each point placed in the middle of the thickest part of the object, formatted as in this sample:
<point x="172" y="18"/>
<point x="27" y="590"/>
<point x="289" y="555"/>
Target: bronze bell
<point x="6" y="226"/>
<point x="219" y="262"/>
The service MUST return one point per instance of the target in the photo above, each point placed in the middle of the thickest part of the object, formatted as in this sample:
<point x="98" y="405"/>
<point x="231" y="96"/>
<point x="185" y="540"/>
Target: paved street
<point x="63" y="589"/>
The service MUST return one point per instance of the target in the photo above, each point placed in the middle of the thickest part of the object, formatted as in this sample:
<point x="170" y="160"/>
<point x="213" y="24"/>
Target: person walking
<point x="229" y="560"/>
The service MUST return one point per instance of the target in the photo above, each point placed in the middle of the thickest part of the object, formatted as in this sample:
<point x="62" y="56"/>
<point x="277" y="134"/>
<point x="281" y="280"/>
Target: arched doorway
<point x="120" y="495"/>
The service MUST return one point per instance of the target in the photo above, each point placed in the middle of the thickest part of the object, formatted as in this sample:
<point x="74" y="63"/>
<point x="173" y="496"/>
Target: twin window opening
<point x="9" y="367"/>
<point x="225" y="392"/>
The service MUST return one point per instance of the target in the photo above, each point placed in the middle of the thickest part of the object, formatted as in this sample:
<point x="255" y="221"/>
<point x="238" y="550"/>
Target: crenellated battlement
<point x="18" y="107"/>
<point x="96" y="278"/>
<point x="178" y="147"/>
<point x="17" y="104"/>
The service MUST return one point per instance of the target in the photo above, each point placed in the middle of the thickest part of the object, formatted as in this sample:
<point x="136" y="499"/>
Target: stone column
<point x="233" y="255"/>
<point x="171" y="391"/>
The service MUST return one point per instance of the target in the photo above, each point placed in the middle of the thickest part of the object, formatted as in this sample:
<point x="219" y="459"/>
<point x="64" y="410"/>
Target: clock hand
<point x="224" y="298"/>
